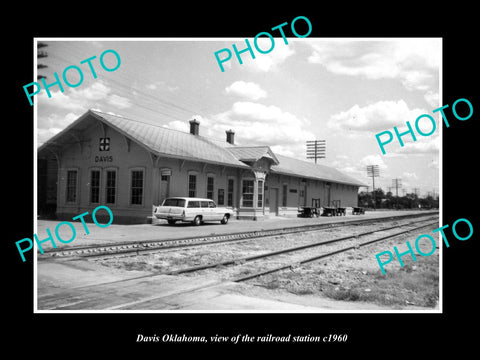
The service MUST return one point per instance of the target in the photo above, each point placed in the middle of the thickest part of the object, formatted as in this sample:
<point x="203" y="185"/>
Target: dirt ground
<point x="353" y="276"/>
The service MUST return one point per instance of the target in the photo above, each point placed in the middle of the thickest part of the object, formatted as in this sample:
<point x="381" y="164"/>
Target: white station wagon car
<point x="196" y="210"/>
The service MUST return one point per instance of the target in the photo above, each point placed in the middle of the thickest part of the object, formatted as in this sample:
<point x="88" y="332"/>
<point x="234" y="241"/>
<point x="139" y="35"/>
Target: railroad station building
<point x="131" y="166"/>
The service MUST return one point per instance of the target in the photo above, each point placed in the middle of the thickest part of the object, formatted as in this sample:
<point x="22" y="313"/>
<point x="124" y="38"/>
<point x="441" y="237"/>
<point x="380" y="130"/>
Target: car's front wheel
<point x="224" y="219"/>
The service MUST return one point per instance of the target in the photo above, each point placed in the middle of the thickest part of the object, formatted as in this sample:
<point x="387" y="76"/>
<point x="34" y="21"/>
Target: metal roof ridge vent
<point x="230" y="136"/>
<point x="194" y="127"/>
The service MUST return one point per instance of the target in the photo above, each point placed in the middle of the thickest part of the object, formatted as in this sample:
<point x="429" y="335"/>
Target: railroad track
<point x="325" y="255"/>
<point x="129" y="248"/>
<point x="243" y="260"/>
<point x="93" y="295"/>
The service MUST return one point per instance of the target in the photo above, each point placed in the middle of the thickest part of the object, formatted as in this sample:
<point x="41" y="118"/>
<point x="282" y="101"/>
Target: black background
<point x="62" y="335"/>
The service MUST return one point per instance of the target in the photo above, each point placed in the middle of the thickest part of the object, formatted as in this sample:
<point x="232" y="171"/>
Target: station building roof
<point x="171" y="143"/>
<point x="294" y="167"/>
<point x="156" y="139"/>
<point x="253" y="153"/>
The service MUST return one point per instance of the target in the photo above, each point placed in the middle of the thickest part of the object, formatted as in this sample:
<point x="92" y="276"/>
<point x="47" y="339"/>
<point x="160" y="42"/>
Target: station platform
<point x="115" y="233"/>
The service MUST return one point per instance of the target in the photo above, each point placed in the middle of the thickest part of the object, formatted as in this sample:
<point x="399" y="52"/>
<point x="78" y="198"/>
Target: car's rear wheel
<point x="171" y="222"/>
<point x="197" y="221"/>
<point x="224" y="219"/>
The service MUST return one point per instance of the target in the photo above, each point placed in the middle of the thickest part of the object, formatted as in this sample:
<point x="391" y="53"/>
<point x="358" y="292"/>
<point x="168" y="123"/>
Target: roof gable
<point x="253" y="153"/>
<point x="159" y="140"/>
<point x="171" y="143"/>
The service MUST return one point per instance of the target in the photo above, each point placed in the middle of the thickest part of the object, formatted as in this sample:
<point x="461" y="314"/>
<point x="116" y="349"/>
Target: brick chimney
<point x="230" y="136"/>
<point x="194" y="127"/>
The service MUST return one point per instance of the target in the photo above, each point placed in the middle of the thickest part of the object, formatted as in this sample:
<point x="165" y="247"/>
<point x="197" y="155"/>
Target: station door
<point x="274" y="201"/>
<point x="164" y="187"/>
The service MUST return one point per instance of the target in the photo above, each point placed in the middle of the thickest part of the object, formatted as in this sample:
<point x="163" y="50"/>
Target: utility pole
<point x="416" y="190"/>
<point x="316" y="149"/>
<point x="373" y="171"/>
<point x="397" y="183"/>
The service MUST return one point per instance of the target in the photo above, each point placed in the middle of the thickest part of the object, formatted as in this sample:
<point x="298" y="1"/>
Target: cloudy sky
<point x="343" y="91"/>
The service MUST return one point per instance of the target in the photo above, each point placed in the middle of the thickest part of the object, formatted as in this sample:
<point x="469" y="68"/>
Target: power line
<point x="396" y="183"/>
<point x="141" y="95"/>
<point x="373" y="171"/>
<point x="127" y="89"/>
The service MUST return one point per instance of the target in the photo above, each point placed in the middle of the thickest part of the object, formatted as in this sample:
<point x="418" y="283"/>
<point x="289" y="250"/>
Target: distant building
<point x="130" y="166"/>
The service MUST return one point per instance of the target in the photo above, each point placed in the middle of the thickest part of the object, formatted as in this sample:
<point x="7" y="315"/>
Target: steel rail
<point x="151" y="245"/>
<point x="270" y="271"/>
<point x="314" y="258"/>
<point x="287" y="250"/>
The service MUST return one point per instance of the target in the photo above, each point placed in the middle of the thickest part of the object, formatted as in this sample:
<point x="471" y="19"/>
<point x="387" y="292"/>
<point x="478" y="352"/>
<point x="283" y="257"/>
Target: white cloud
<point x="349" y="169"/>
<point x="178" y="125"/>
<point x="97" y="91"/>
<point x="256" y="124"/>
<point x="414" y="62"/>
<point x="265" y="62"/>
<point x="44" y="134"/>
<point x="292" y="150"/>
<point x="57" y="121"/>
<point x="379" y="116"/>
<point x="60" y="101"/>
<point x="409" y="176"/>
<point x="373" y="160"/>
<point x="82" y="98"/>
<point x="119" y="101"/>
<point x="432" y="98"/>
<point x="162" y="85"/>
<point x="416" y="80"/>
<point x="249" y="90"/>
<point x="263" y="124"/>
<point x="423" y="145"/>
<point x="73" y="102"/>
<point x="53" y="124"/>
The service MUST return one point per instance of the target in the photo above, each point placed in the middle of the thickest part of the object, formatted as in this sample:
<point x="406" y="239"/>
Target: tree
<point x="389" y="201"/>
<point x="429" y="202"/>
<point x="365" y="199"/>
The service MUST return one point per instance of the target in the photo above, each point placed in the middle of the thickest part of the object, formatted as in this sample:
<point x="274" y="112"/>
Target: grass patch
<point x="414" y="284"/>
<point x="303" y="292"/>
<point x="344" y="294"/>
<point x="272" y="285"/>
